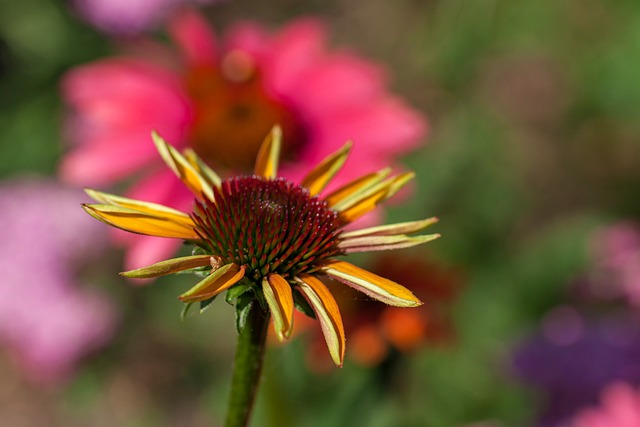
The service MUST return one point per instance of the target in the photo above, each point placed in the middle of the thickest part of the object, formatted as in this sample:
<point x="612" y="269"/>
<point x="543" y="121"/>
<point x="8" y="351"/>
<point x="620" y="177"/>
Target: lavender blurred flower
<point x="572" y="358"/>
<point x="47" y="321"/>
<point x="619" y="407"/>
<point x="129" y="17"/>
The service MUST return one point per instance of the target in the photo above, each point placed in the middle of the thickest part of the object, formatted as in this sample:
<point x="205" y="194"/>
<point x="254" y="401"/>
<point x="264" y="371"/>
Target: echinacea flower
<point x="266" y="236"/>
<point x="620" y="407"/>
<point x="60" y="319"/>
<point x="219" y="98"/>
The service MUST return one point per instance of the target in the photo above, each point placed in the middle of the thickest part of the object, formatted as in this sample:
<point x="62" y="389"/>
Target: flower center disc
<point x="233" y="112"/>
<point x="268" y="226"/>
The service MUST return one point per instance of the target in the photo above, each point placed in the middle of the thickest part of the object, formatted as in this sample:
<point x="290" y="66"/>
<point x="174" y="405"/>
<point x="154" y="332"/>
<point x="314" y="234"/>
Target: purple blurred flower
<point x="129" y="17"/>
<point x="572" y="358"/>
<point x="47" y="320"/>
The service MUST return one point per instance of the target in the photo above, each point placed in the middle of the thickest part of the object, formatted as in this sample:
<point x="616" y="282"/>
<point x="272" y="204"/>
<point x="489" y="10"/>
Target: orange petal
<point x="322" y="174"/>
<point x="376" y="287"/>
<point x="218" y="281"/>
<point x="144" y="223"/>
<point x="277" y="292"/>
<point x="367" y="200"/>
<point x="269" y="154"/>
<point x="355" y="187"/>
<point x="182" y="168"/>
<point x="328" y="314"/>
<point x="363" y="206"/>
<point x="202" y="168"/>
<point x="154" y="209"/>
<point x="169" y="266"/>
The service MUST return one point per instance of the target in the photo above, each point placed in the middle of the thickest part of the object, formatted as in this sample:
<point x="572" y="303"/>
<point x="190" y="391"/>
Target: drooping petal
<point x="371" y="284"/>
<point x="218" y="281"/>
<point x="328" y="314"/>
<point x="319" y="177"/>
<point x="356" y="187"/>
<point x="391" y="229"/>
<point x="269" y="154"/>
<point x="277" y="292"/>
<point x="182" y="168"/>
<point x="383" y="243"/>
<point x="169" y="266"/>
<point x="202" y="168"/>
<point x="142" y="222"/>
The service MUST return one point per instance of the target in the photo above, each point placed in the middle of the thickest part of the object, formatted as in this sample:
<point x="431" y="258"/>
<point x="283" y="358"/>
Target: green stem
<point x="247" y="366"/>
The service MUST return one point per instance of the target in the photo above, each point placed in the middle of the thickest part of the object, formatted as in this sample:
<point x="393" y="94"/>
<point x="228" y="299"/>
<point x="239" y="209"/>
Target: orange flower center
<point x="233" y="113"/>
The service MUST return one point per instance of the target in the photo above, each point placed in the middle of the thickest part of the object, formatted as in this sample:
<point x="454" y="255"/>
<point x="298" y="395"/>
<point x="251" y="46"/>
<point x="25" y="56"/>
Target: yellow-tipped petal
<point x="203" y="169"/>
<point x="383" y="243"/>
<point x="391" y="229"/>
<point x="367" y="200"/>
<point x="322" y="174"/>
<point x="143" y="223"/>
<point x="218" y="281"/>
<point x="169" y="266"/>
<point x="277" y="292"/>
<point x="363" y="206"/>
<point x="376" y="287"/>
<point x="154" y="209"/>
<point x="397" y="182"/>
<point x="355" y="187"/>
<point x="269" y="154"/>
<point x="328" y="314"/>
<point x="182" y="168"/>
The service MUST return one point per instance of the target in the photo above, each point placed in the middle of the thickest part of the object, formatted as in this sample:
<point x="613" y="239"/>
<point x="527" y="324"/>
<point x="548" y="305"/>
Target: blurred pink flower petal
<point x="616" y="253"/>
<point x="222" y="100"/>
<point x="49" y="319"/>
<point x="620" y="407"/>
<point x="128" y="17"/>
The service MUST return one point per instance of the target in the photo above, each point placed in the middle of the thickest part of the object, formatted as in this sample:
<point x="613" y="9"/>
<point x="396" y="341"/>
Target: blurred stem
<point x="247" y="366"/>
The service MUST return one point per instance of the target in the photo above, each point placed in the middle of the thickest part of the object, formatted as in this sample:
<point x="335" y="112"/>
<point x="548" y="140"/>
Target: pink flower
<point x="616" y="253"/>
<point x="221" y="98"/>
<point x="620" y="407"/>
<point x="128" y="17"/>
<point x="49" y="319"/>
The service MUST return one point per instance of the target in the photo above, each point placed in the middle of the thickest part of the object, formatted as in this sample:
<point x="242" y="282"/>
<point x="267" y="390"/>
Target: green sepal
<point x="185" y="310"/>
<point x="243" y="307"/>
<point x="205" y="304"/>
<point x="237" y="290"/>
<point x="302" y="305"/>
